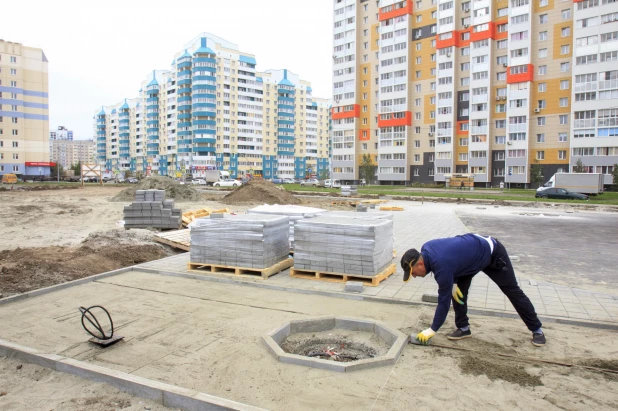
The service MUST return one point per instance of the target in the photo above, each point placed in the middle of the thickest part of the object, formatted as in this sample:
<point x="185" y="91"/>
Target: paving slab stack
<point x="348" y="191"/>
<point x="345" y="243"/>
<point x="151" y="209"/>
<point x="246" y="240"/>
<point x="294" y="212"/>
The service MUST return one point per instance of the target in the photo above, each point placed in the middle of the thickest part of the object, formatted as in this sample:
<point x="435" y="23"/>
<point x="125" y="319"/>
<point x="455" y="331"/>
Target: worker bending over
<point x="454" y="262"/>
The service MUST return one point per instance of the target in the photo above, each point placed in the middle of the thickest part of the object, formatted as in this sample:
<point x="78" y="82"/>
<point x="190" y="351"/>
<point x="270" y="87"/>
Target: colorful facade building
<point x="24" y="111"/>
<point x="489" y="88"/>
<point x="214" y="110"/>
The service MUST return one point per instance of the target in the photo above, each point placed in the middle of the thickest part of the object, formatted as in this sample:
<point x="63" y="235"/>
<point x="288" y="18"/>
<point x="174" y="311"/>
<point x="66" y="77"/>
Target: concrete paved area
<point x="572" y="248"/>
<point x="419" y="223"/>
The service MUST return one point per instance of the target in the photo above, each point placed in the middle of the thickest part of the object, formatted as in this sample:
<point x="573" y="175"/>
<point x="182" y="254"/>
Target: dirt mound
<point x="173" y="189"/>
<point x="26" y="269"/>
<point x="261" y="192"/>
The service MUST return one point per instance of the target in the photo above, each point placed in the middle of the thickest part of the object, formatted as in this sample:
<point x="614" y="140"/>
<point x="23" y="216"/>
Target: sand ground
<point x="207" y="336"/>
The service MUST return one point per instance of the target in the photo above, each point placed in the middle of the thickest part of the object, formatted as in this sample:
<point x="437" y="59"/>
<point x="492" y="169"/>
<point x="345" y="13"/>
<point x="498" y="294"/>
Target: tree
<point x="615" y="174"/>
<point x="77" y="168"/>
<point x="367" y="168"/>
<point x="324" y="174"/>
<point x="579" y="166"/>
<point x="53" y="170"/>
<point x="536" y="173"/>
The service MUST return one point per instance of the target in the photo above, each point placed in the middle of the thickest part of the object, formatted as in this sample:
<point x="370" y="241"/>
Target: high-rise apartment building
<point x="432" y="88"/>
<point x="594" y="136"/>
<point x="214" y="110"/>
<point x="69" y="152"/>
<point x="24" y="112"/>
<point x="61" y="134"/>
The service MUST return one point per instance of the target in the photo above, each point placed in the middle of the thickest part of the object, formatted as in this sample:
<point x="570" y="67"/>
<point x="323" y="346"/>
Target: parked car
<point x="132" y="180"/>
<point x="277" y="181"/>
<point x="288" y="181"/>
<point x="560" y="193"/>
<point x="329" y="183"/>
<point x="310" y="182"/>
<point x="9" y="179"/>
<point x="199" y="181"/>
<point x="227" y="183"/>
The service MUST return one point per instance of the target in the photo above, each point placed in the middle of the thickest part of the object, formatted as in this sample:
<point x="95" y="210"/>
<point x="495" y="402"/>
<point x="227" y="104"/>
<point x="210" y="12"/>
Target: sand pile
<point x="173" y="189"/>
<point x="260" y="191"/>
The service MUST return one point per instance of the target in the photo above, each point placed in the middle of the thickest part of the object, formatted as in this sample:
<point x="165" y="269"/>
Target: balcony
<point x="608" y="84"/>
<point x="586" y="123"/>
<point x="518" y="128"/>
<point x="478" y="129"/>
<point x="393" y="109"/>
<point x="444" y="132"/>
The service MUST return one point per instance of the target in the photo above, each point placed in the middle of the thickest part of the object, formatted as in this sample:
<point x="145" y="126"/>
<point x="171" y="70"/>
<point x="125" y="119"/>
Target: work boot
<point x="538" y="339"/>
<point x="459" y="334"/>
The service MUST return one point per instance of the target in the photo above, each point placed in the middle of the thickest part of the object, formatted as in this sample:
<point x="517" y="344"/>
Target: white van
<point x="332" y="183"/>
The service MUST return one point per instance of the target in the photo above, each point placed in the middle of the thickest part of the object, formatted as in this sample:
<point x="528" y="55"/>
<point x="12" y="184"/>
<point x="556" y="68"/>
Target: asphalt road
<point x="578" y="249"/>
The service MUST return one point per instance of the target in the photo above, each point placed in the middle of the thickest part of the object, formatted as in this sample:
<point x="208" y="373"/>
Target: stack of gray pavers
<point x="346" y="243"/>
<point x="294" y="212"/>
<point x="347" y="191"/>
<point x="151" y="209"/>
<point x="246" y="240"/>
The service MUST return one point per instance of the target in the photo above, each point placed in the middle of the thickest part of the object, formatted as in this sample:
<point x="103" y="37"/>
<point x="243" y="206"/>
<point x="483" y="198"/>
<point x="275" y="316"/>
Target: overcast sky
<point x="100" y="51"/>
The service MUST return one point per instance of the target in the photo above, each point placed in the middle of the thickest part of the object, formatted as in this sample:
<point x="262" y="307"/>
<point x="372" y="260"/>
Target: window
<point x="561" y="154"/>
<point x="540" y="121"/>
<point x="15" y="156"/>
<point x="543" y="19"/>
<point x="542" y="53"/>
<point x="15" y="133"/>
<point x="566" y="14"/>
<point x="501" y="76"/>
<point x="542" y="36"/>
<point x="564" y="67"/>
<point x="564" y="119"/>
<point x="564" y="84"/>
<point x="15" y="143"/>
<point x="565" y="32"/>
<point x="542" y="87"/>
<point x="565" y="49"/>
<point x="562" y="137"/>
<point x="540" y="155"/>
<point x="499" y="156"/>
<point x="540" y="138"/>
<point x="500" y="139"/>
<point x="542" y="70"/>
<point x="564" y="102"/>
<point x="543" y="3"/>
<point x="13" y="72"/>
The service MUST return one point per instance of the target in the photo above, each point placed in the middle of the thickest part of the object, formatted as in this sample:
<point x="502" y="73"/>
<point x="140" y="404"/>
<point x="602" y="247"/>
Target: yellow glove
<point x="425" y="335"/>
<point x="457" y="294"/>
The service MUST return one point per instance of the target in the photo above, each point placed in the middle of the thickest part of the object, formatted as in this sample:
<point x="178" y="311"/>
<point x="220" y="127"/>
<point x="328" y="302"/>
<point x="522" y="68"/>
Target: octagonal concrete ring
<point x="393" y="338"/>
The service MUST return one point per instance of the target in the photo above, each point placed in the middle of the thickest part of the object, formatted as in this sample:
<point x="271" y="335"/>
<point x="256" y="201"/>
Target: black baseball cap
<point x="408" y="260"/>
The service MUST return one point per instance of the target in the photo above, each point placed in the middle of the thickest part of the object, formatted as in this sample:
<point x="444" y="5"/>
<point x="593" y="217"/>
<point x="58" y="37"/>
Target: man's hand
<point x="425" y="335"/>
<point x="457" y="294"/>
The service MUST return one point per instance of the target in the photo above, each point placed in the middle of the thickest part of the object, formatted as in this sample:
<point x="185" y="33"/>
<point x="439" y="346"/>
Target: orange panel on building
<point x="364" y="134"/>
<point x="490" y="33"/>
<point x="390" y="121"/>
<point x="454" y="41"/>
<point x="459" y="130"/>
<point x="407" y="9"/>
<point x="520" y="77"/>
<point x="354" y="112"/>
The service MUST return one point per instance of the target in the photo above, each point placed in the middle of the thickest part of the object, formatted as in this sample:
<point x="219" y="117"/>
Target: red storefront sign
<point x="39" y="164"/>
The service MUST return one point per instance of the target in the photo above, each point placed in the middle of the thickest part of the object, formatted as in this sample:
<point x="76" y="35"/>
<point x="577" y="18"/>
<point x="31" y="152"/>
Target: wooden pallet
<point x="178" y="239"/>
<point x="189" y="216"/>
<point x="391" y="208"/>
<point x="263" y="273"/>
<point x="342" y="278"/>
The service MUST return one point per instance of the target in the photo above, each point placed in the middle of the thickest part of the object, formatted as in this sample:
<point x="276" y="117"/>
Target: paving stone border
<point x="169" y="395"/>
<point x="394" y="338"/>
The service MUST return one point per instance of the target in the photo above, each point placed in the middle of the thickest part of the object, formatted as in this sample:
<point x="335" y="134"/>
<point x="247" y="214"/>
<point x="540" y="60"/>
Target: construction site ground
<point x="204" y="333"/>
